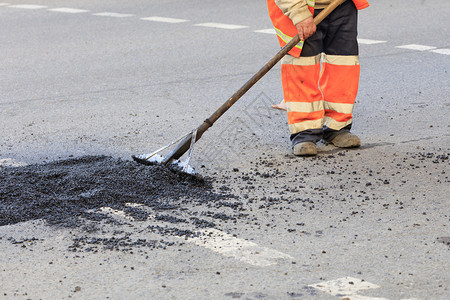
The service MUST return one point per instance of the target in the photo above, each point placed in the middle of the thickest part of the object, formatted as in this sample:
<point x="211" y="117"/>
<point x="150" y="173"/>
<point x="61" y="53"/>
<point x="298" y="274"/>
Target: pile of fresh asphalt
<point x="71" y="193"/>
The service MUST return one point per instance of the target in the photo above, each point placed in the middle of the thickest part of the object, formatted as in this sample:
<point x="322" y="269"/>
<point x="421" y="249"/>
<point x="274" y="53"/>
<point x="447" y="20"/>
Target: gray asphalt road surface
<point x="88" y="83"/>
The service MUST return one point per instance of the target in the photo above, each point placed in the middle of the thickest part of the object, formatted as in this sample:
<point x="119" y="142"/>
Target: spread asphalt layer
<point x="69" y="192"/>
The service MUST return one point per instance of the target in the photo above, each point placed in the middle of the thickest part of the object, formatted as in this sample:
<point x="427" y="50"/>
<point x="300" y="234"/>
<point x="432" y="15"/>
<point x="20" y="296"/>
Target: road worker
<point x="320" y="75"/>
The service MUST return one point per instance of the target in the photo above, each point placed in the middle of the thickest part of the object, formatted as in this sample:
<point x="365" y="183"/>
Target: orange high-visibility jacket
<point x="286" y="29"/>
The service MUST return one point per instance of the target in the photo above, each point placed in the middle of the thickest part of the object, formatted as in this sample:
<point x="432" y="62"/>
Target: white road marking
<point x="221" y="26"/>
<point x="69" y="10"/>
<point x="114" y="15"/>
<point x="215" y="240"/>
<point x="115" y="212"/>
<point x="347" y="287"/>
<point x="359" y="297"/>
<point x="9" y="162"/>
<point x="370" y="42"/>
<point x="4" y="4"/>
<point x="268" y="31"/>
<point x="121" y="214"/>
<point x="442" y="51"/>
<point x="416" y="47"/>
<point x="139" y="205"/>
<point x="27" y="6"/>
<point x="164" y="20"/>
<point x="129" y="204"/>
<point x="230" y="246"/>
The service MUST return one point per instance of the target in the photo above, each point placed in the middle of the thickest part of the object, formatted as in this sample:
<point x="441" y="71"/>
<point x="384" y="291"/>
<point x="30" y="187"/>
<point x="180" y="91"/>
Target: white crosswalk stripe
<point x="221" y="25"/>
<point x="164" y="20"/>
<point x="69" y="10"/>
<point x="9" y="162"/>
<point x="442" y="51"/>
<point x="347" y="287"/>
<point x="242" y="250"/>
<point x="112" y="14"/>
<point x="267" y="31"/>
<point x="27" y="6"/>
<point x="370" y="42"/>
<point x="416" y="47"/>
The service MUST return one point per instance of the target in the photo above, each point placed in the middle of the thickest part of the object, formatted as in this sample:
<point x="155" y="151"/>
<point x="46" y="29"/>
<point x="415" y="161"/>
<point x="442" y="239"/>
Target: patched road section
<point x="86" y="84"/>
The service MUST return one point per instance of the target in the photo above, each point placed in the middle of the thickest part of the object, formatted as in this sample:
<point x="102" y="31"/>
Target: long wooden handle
<point x="185" y="144"/>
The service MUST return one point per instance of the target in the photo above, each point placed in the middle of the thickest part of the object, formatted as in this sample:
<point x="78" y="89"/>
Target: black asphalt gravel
<point x="69" y="192"/>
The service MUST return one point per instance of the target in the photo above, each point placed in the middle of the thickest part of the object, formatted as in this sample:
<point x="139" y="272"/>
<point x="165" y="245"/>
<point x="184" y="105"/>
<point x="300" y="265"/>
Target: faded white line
<point x="230" y="246"/>
<point x="164" y="20"/>
<point x="10" y="162"/>
<point x="4" y="4"/>
<point x="221" y="26"/>
<point x="217" y="241"/>
<point x="142" y="206"/>
<point x="129" y="204"/>
<point x="416" y="47"/>
<point x="28" y="6"/>
<point x="359" y="297"/>
<point x="442" y="51"/>
<point x="120" y="213"/>
<point x="113" y="15"/>
<point x="347" y="287"/>
<point x="69" y="10"/>
<point x="370" y="42"/>
<point x="268" y="31"/>
<point x="115" y="212"/>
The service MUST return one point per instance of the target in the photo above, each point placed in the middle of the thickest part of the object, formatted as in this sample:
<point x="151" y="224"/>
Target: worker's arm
<point x="298" y="12"/>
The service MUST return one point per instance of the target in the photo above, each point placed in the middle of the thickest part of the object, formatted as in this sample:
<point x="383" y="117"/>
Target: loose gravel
<point x="70" y="192"/>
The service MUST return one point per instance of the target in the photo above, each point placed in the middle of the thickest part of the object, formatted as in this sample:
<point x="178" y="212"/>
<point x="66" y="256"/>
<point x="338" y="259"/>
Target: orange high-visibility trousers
<point x="321" y="85"/>
<point x="316" y="98"/>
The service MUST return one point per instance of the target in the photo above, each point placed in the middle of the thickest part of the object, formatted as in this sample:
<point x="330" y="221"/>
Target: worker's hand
<point x="306" y="28"/>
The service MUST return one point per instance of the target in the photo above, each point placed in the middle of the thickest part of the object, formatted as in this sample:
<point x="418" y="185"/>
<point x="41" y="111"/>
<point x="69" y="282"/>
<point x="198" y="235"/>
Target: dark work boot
<point x="341" y="138"/>
<point x="304" y="142"/>
<point x="305" y="149"/>
<point x="346" y="140"/>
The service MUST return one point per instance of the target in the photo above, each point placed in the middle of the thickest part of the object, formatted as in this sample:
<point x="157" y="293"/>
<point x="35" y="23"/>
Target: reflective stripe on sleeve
<point x="286" y="38"/>
<point x="311" y="3"/>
